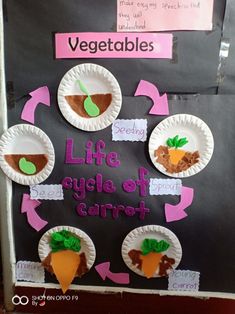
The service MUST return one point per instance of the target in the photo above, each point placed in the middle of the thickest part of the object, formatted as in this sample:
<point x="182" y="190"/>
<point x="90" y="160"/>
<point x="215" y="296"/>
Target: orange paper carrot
<point x="176" y="154"/>
<point x="151" y="255"/>
<point x="150" y="263"/>
<point x="65" y="259"/>
<point x="65" y="264"/>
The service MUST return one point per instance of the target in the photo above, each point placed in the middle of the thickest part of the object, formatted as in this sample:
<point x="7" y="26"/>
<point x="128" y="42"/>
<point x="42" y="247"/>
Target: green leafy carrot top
<point x="176" y="141"/>
<point x="152" y="245"/>
<point x="64" y="240"/>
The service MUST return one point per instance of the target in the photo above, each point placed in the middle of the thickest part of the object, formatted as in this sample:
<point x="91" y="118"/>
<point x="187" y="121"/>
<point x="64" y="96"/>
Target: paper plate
<point x="134" y="239"/>
<point x="87" y="245"/>
<point x="199" y="138"/>
<point x="97" y="80"/>
<point x="25" y="139"/>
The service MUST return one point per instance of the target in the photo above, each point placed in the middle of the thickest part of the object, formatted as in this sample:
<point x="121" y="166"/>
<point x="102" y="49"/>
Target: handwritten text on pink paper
<point x="162" y="15"/>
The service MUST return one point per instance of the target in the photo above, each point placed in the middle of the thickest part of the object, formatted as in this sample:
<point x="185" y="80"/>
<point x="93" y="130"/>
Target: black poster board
<point x="29" y="63"/>
<point x="227" y="51"/>
<point x="210" y="215"/>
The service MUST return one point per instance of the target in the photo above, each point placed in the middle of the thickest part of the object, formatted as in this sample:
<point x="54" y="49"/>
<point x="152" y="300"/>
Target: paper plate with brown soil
<point x="66" y="252"/>
<point x="151" y="251"/>
<point x="181" y="145"/>
<point x="89" y="97"/>
<point x="26" y="154"/>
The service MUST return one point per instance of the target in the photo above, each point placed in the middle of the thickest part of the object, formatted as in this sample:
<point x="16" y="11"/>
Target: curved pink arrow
<point x="28" y="206"/>
<point x="104" y="272"/>
<point x="160" y="103"/>
<point x="176" y="212"/>
<point x="38" y="96"/>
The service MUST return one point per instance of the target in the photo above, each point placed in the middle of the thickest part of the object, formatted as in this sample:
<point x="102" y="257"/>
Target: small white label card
<point x="165" y="186"/>
<point x="183" y="280"/>
<point x="46" y="192"/>
<point x="130" y="130"/>
<point x="30" y="271"/>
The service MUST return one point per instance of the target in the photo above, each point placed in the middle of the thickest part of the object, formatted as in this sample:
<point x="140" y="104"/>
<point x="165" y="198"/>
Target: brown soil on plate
<point x="165" y="263"/>
<point x="76" y="102"/>
<point x="188" y="160"/>
<point x="39" y="160"/>
<point x="82" y="268"/>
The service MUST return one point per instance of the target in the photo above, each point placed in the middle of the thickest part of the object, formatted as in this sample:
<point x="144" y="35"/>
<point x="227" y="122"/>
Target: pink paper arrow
<point x="40" y="95"/>
<point x="103" y="270"/>
<point x="176" y="212"/>
<point x="28" y="206"/>
<point x="160" y="103"/>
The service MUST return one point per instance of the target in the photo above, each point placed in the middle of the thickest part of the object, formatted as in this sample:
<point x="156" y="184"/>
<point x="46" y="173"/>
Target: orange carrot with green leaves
<point x="176" y="154"/>
<point x="65" y="259"/>
<point x="151" y="255"/>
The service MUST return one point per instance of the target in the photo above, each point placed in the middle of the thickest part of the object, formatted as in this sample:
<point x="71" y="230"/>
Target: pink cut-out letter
<point x="69" y="159"/>
<point x="112" y="160"/>
<point x="99" y="156"/>
<point x="142" y="210"/>
<point x="142" y="182"/>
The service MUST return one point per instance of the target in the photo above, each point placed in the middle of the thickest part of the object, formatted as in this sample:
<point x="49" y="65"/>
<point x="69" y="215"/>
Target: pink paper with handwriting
<point x="161" y="15"/>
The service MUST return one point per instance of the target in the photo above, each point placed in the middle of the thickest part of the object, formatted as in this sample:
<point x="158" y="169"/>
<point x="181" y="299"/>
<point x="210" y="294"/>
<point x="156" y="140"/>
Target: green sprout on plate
<point x="176" y="142"/>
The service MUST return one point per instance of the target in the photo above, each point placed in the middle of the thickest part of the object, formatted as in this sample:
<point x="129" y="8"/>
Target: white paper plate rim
<point x="183" y="120"/>
<point x="87" y="246"/>
<point x="106" y="118"/>
<point x="22" y="129"/>
<point x="130" y="240"/>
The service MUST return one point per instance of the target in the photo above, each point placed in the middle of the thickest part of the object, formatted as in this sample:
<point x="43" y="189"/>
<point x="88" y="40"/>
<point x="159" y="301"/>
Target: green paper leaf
<point x="182" y="142"/>
<point x="170" y="142"/>
<point x="163" y="246"/>
<point x="152" y="245"/>
<point x="175" y="140"/>
<point x="90" y="107"/>
<point x="65" y="233"/>
<point x="57" y="237"/>
<point x="27" y="167"/>
<point x="67" y="243"/>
